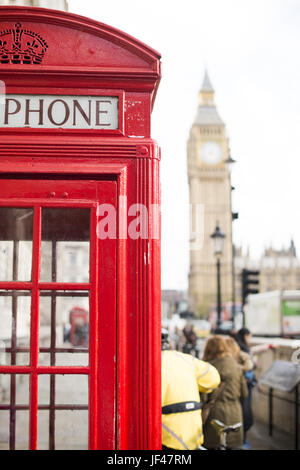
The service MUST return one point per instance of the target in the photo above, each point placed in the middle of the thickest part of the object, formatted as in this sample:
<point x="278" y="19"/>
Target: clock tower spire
<point x="207" y="92"/>
<point x="210" y="196"/>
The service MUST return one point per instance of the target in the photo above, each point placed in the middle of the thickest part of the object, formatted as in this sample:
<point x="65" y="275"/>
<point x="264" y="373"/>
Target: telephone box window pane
<point x="72" y="389"/>
<point x="14" y="388"/>
<point x="4" y="429"/>
<point x="25" y="259"/>
<point x="4" y="389"/>
<point x="15" y="315"/>
<point x="71" y="430"/>
<point x="14" y="406"/>
<point x="44" y="389"/>
<point x="80" y="359"/>
<point x="58" y="396"/>
<point x="22" y="430"/>
<point x="4" y="353"/>
<point x="64" y="328"/>
<point x="65" y="250"/>
<point x="43" y="430"/>
<point x="15" y="244"/>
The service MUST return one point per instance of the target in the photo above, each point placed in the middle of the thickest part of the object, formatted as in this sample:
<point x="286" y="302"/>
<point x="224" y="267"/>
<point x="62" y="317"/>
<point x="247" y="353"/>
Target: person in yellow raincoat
<point x="183" y="377"/>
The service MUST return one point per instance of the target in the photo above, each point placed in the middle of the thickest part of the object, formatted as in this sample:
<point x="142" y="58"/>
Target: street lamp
<point x="218" y="238"/>
<point x="230" y="162"/>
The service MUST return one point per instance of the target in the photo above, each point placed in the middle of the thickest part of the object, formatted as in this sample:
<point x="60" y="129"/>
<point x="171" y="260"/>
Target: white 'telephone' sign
<point x="67" y="112"/>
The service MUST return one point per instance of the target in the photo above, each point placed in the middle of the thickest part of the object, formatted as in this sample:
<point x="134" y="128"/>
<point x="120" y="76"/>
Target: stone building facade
<point x="279" y="269"/>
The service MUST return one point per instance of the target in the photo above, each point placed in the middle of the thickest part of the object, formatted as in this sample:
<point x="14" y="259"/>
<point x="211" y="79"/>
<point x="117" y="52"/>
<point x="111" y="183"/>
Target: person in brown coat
<point x="242" y="358"/>
<point x="227" y="407"/>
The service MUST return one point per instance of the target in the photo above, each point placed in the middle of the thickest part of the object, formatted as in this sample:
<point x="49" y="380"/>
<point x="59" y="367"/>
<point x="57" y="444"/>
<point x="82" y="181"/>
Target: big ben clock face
<point x="210" y="153"/>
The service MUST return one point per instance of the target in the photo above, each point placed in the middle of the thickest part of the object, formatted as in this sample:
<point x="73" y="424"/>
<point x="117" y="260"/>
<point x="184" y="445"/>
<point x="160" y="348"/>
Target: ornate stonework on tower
<point x="54" y="4"/>
<point x="210" y="187"/>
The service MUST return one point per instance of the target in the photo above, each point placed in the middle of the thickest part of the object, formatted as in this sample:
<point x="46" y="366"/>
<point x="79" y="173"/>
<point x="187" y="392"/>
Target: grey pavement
<point x="258" y="437"/>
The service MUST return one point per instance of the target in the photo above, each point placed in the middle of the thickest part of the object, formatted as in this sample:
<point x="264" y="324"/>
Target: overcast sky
<point x="251" y="51"/>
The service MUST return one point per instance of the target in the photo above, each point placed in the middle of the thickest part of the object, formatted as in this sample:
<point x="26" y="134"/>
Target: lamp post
<point x="234" y="215"/>
<point x="230" y="163"/>
<point x="218" y="243"/>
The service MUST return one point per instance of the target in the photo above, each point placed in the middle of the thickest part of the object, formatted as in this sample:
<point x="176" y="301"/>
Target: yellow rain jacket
<point x="183" y="377"/>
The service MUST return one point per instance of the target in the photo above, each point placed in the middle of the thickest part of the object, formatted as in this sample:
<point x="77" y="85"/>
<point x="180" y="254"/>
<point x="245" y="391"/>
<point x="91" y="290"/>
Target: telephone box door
<point x="57" y="368"/>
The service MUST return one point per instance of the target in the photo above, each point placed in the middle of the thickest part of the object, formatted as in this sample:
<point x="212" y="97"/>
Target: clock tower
<point x="210" y="199"/>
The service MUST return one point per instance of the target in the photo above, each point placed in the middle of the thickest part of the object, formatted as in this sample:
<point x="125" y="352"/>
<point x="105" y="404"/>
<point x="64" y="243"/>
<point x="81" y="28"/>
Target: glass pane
<point x="14" y="414"/>
<point x="72" y="389"/>
<point x="71" y="430"/>
<point x="65" y="249"/>
<point x="4" y="430"/>
<point x="22" y="430"/>
<point x="64" y="328"/>
<point x="14" y="388"/>
<point x="43" y="430"/>
<point x="15" y="244"/>
<point x="44" y="389"/>
<point x="15" y="315"/>
<point x="5" y="389"/>
<point x="69" y="389"/>
<point x="63" y="408"/>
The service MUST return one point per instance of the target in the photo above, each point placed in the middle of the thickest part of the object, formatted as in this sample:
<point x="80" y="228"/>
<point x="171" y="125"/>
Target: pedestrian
<point x="243" y="338"/>
<point x="227" y="407"/>
<point x="183" y="378"/>
<point x="242" y="358"/>
<point x="190" y="339"/>
<point x="66" y="332"/>
<point x="177" y="339"/>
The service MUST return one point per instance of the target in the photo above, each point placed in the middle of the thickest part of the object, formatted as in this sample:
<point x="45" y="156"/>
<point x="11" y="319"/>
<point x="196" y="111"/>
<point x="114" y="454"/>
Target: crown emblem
<point x="21" y="46"/>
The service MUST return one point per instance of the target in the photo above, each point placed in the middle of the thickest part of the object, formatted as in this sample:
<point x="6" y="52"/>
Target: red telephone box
<point x="79" y="228"/>
<point x="78" y="326"/>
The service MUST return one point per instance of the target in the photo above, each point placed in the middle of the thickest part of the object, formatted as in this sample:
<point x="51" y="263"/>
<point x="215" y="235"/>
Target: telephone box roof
<point x="70" y="44"/>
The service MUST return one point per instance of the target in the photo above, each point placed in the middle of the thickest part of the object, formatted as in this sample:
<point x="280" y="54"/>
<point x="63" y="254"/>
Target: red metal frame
<point x="107" y="62"/>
